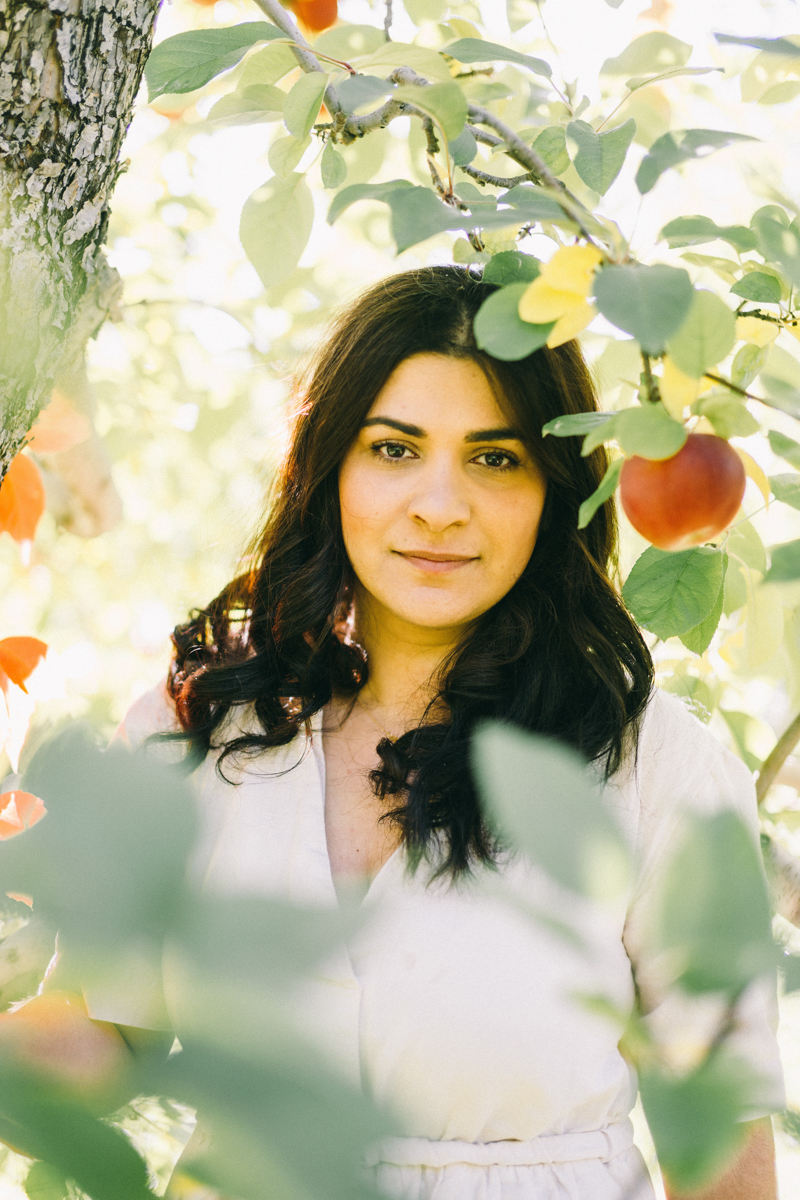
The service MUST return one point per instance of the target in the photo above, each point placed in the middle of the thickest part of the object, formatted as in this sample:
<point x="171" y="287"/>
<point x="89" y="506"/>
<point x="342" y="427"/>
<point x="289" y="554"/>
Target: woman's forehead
<point x="432" y="391"/>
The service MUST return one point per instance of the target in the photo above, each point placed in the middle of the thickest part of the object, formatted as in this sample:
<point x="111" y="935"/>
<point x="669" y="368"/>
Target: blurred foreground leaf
<point x="696" y="1121"/>
<point x="713" y="910"/>
<point x="545" y="801"/>
<point x="106" y="863"/>
<point x="650" y="303"/>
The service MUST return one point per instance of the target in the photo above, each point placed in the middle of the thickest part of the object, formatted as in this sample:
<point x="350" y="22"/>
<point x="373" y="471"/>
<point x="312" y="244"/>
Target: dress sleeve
<point x="127" y="989"/>
<point x="682" y="770"/>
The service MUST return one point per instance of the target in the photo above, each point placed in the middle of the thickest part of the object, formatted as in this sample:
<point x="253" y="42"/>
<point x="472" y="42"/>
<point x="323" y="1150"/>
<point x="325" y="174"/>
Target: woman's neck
<point x="404" y="660"/>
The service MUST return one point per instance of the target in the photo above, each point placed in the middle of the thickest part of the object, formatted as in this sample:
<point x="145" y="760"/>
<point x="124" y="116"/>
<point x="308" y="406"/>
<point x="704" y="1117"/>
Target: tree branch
<point x="387" y="20"/>
<point x="777" y="757"/>
<point x="302" y="51"/>
<point x="483" y="177"/>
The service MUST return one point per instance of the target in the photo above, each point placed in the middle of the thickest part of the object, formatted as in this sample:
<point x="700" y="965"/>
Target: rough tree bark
<point x="69" y="74"/>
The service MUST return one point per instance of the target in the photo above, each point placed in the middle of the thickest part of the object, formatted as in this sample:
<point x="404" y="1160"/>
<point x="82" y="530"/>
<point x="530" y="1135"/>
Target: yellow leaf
<point x="541" y="303"/>
<point x="794" y="330"/>
<point x="571" y="324"/>
<point x="572" y="268"/>
<point x="677" y="390"/>
<point x="754" y="472"/>
<point x="703" y="425"/>
<point x="752" y="329"/>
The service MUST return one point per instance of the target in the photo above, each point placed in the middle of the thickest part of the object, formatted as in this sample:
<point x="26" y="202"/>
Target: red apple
<point x="685" y="500"/>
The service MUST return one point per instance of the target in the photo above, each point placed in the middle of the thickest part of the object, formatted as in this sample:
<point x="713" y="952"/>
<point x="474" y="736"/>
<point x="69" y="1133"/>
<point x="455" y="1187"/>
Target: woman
<point x="421" y="569"/>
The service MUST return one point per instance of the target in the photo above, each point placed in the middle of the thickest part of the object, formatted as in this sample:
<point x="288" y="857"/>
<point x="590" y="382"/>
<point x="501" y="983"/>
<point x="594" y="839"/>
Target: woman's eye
<point x="392" y="450"/>
<point x="498" y="459"/>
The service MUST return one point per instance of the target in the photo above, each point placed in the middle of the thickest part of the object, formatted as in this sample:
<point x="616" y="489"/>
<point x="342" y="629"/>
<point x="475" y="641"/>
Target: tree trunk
<point x="69" y="74"/>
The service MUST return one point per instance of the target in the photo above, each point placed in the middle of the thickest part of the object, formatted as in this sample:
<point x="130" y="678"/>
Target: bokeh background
<point x="193" y="379"/>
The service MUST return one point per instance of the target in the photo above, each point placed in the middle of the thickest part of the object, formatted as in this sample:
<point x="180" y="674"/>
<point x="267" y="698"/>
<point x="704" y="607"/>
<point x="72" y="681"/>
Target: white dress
<point x="453" y="1006"/>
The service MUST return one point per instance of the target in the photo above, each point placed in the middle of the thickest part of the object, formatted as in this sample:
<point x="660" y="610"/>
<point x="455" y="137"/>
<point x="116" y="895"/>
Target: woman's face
<point x="440" y="500"/>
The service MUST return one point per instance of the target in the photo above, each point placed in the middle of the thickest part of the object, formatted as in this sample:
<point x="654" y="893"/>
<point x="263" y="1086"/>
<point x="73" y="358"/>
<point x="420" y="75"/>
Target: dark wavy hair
<point x="559" y="654"/>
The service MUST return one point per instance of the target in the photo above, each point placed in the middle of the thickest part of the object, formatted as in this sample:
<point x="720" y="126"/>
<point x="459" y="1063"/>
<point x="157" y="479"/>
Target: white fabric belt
<point x="602" y="1144"/>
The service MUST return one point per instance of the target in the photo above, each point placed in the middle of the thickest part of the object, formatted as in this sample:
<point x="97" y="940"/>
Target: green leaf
<point x="670" y="592"/>
<point x="302" y="105"/>
<point x="600" y="156"/>
<point x="764" y="289"/>
<point x="744" y="542"/>
<point x="444" y="102"/>
<point x="655" y="51"/>
<point x="250" y="106"/>
<point x="511" y="266"/>
<point x="520" y="13"/>
<point x="748" y="362"/>
<point x="573" y="424"/>
<point x="742" y="726"/>
<point x="474" y="50"/>
<point x="713" y="907"/>
<point x="428" y="63"/>
<point x="605" y="489"/>
<point x="778" y="45"/>
<point x="544" y="800"/>
<point x="699" y="639"/>
<point x="44" y="1182"/>
<point x="785" y="563"/>
<point x="268" y="66"/>
<point x="348" y="41"/>
<point x="726" y="268"/>
<point x="463" y="148"/>
<point x="650" y="303"/>
<point x="779" y="244"/>
<point x="596" y="437"/>
<point x="729" y="416"/>
<point x="363" y="191"/>
<point x="786" y="488"/>
<point x="418" y="214"/>
<point x="63" y="861"/>
<point x="500" y="331"/>
<point x="551" y="146"/>
<point x="356" y="91"/>
<point x="275" y="227"/>
<point x="780" y="393"/>
<point x="46" y="1124"/>
<point x="633" y="85"/>
<point x="706" y="336"/>
<point x="332" y="166"/>
<point x="785" y="447"/>
<point x="790" y="973"/>
<point x="421" y="11"/>
<point x="187" y="61"/>
<point x="679" y="146"/>
<point x="649" y="431"/>
<point x="696" y="1121"/>
<point x="693" y="231"/>
<point x="284" y="155"/>
<point x="533" y="204"/>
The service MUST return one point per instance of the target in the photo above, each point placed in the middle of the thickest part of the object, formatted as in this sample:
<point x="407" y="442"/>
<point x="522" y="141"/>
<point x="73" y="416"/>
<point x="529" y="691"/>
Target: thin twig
<point x="483" y="177"/>
<point x="483" y="135"/>
<point x="387" y="20"/>
<point x="776" y="758"/>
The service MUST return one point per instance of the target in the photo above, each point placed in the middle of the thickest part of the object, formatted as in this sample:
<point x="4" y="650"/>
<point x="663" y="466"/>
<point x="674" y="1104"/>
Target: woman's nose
<point x="439" y="499"/>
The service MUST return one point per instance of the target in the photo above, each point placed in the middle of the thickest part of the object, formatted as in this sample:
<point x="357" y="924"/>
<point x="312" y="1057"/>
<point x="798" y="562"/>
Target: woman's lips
<point x="435" y="563"/>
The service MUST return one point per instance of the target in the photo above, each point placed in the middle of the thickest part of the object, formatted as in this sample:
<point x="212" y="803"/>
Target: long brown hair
<point x="558" y="654"/>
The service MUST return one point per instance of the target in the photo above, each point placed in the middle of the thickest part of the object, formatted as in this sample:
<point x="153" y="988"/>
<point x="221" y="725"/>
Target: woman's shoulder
<point x="676" y="752"/>
<point x="678" y="767"/>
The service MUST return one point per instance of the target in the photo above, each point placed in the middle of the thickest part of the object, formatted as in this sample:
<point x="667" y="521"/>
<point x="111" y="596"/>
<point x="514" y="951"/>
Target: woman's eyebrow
<point x="503" y="434"/>
<point x="411" y="430"/>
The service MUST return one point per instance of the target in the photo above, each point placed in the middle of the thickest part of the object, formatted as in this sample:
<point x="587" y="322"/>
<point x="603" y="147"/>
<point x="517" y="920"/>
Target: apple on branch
<point x="687" y="499"/>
